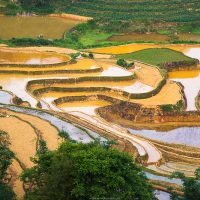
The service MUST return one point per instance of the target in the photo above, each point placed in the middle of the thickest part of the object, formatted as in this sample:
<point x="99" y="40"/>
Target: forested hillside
<point x="154" y="10"/>
<point x="161" y="10"/>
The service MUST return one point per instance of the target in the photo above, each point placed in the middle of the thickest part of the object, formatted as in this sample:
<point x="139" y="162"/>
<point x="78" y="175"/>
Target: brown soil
<point x="148" y="75"/>
<point x="3" y="45"/>
<point x="71" y="16"/>
<point x="137" y="47"/>
<point x="161" y="185"/>
<point x="22" y="138"/>
<point x="55" y="49"/>
<point x="152" y="126"/>
<point x="48" y="131"/>
<point x="169" y="94"/>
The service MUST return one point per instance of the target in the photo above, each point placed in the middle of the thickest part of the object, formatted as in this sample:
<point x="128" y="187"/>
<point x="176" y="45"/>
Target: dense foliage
<point x="85" y="171"/>
<point x="123" y="63"/>
<point x="191" y="186"/>
<point x="162" y="10"/>
<point x="6" y="156"/>
<point x="40" y="6"/>
<point x="68" y="42"/>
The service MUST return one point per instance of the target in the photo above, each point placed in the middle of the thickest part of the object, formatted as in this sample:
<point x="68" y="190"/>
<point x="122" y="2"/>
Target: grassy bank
<point x="91" y="38"/>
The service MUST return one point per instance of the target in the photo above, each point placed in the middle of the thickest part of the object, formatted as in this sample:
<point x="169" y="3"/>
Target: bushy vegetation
<point x="6" y="156"/>
<point x="171" y="108"/>
<point x="39" y="6"/>
<point x="121" y="62"/>
<point x="44" y="42"/>
<point x="85" y="171"/>
<point x="93" y="32"/>
<point x="173" y="11"/>
<point x="191" y="186"/>
<point x="96" y="32"/>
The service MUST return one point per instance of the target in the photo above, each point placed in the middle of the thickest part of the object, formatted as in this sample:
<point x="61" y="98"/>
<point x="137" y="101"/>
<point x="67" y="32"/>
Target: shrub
<point x="91" y="55"/>
<point x="121" y="62"/>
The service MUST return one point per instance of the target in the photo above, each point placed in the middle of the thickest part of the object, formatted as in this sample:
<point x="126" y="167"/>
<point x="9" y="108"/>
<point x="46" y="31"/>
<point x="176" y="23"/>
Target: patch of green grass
<point x="196" y="31"/>
<point x="156" y="56"/>
<point x="91" y="38"/>
<point x="164" y="32"/>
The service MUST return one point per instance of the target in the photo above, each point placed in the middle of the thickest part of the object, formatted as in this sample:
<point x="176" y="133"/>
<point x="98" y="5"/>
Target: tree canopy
<point x="85" y="171"/>
<point x="191" y="186"/>
<point x="6" y="156"/>
<point x="41" y="6"/>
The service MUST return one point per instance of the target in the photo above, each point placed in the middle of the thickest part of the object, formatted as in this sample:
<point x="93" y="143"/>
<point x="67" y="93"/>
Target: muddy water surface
<point x="31" y="27"/>
<point x="29" y="57"/>
<point x="184" y="135"/>
<point x="137" y="47"/>
<point x="152" y="37"/>
<point x="191" y="86"/>
<point x="87" y="107"/>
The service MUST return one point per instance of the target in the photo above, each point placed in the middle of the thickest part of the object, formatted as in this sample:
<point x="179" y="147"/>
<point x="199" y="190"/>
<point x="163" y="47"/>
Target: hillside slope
<point x="149" y="10"/>
<point x="162" y="10"/>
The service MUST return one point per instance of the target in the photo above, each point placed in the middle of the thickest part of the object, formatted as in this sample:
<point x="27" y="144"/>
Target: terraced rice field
<point x="79" y="88"/>
<point x="137" y="47"/>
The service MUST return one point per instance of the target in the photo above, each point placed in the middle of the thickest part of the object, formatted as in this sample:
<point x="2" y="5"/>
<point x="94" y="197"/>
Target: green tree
<point x="6" y="192"/>
<point x="6" y="156"/>
<point x="121" y="62"/>
<point x="191" y="186"/>
<point x="85" y="171"/>
<point x="91" y="55"/>
<point x="41" y="6"/>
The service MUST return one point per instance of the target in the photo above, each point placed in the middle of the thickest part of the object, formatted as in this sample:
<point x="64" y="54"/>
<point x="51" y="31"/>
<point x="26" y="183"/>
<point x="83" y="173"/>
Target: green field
<point x="91" y="38"/>
<point x="31" y="27"/>
<point x="196" y="31"/>
<point x="164" y="32"/>
<point x="156" y="56"/>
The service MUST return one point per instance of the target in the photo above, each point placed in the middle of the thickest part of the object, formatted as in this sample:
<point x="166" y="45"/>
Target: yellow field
<point x="137" y="47"/>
